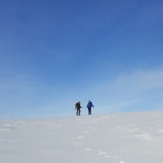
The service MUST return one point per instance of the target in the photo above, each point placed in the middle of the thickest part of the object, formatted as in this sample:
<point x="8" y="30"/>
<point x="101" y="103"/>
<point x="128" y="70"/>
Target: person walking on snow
<point x="89" y="106"/>
<point x="78" y="106"/>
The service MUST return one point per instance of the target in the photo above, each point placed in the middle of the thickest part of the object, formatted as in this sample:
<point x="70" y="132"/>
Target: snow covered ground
<point x="112" y="138"/>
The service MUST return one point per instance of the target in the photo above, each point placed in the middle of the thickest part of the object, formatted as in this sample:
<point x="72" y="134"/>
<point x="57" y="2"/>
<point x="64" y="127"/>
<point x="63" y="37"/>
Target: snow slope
<point x="114" y="138"/>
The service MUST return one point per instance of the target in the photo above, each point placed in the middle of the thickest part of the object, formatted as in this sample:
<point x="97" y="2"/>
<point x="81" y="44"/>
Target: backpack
<point x="77" y="105"/>
<point x="90" y="104"/>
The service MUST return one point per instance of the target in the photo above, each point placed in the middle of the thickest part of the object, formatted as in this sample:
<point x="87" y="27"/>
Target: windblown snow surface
<point x="112" y="138"/>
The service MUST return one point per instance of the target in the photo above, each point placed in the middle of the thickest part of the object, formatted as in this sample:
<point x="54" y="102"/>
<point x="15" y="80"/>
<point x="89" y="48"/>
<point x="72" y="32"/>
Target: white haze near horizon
<point x="114" y="138"/>
<point x="137" y="90"/>
<point x="23" y="96"/>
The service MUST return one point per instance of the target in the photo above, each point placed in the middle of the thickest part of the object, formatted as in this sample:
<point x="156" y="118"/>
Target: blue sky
<point x="54" y="53"/>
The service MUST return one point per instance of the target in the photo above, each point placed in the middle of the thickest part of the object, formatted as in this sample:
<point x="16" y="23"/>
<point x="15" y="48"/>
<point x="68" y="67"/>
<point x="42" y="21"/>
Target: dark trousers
<point x="78" y="111"/>
<point x="89" y="111"/>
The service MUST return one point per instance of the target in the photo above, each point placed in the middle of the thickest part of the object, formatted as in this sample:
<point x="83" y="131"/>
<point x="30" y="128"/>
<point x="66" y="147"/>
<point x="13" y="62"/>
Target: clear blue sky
<point x="54" y="53"/>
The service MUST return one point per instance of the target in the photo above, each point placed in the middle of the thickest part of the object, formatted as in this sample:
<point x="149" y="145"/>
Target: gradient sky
<point x="54" y="53"/>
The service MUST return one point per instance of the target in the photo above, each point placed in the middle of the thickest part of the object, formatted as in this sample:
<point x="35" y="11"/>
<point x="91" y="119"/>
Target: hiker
<point x="89" y="106"/>
<point x="78" y="106"/>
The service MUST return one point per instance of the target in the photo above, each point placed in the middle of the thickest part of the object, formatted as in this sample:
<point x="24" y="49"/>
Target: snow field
<point x="113" y="138"/>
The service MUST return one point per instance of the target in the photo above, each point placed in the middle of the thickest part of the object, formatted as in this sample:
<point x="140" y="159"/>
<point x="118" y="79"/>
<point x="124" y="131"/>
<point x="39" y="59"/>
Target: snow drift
<point x="114" y="138"/>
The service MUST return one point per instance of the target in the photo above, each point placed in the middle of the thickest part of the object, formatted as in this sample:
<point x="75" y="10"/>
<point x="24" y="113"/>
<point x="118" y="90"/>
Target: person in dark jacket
<point x="78" y="106"/>
<point x="89" y="106"/>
